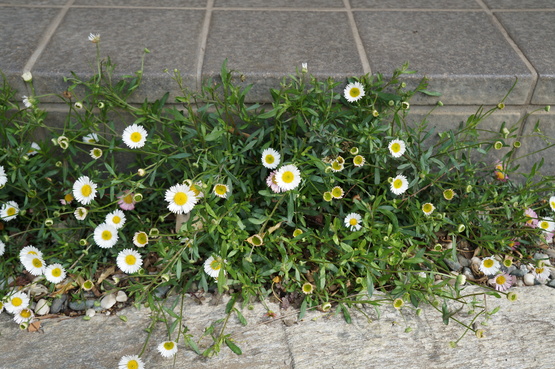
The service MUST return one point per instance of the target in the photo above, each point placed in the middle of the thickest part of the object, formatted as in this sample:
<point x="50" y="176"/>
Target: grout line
<point x="358" y="41"/>
<point x="46" y="37"/>
<point x="203" y="39"/>
<point x="516" y="49"/>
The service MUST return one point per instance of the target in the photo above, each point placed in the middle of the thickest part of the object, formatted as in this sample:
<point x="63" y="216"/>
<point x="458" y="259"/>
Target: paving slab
<point x="124" y="35"/>
<point x="464" y="55"/>
<point x="527" y="30"/>
<point x="306" y="4"/>
<point x="143" y="3"/>
<point x="534" y="140"/>
<point x="519" y="4"/>
<point x="415" y="4"/>
<point x="265" y="46"/>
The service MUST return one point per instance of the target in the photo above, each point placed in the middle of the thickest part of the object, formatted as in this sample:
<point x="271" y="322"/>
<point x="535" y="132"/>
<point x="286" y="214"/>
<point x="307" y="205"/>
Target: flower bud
<point x="141" y="172"/>
<point x="498" y="145"/>
<point x="27" y="76"/>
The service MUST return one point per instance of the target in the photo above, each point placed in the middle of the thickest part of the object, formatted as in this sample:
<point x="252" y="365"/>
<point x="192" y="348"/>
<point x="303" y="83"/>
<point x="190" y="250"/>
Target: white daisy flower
<point x="181" y="199"/>
<point x="546" y="224"/>
<point x="552" y="202"/>
<point x="55" y="273"/>
<point x="140" y="239"/>
<point x="84" y="190"/>
<point x="288" y="177"/>
<point x="29" y="250"/>
<point x="9" y="211"/>
<point x="91" y="138"/>
<point x="213" y="265"/>
<point x="134" y="136"/>
<point x="16" y="301"/>
<point x="3" y="177"/>
<point x="34" y="149"/>
<point x="95" y="153"/>
<point x="131" y="362"/>
<point x="168" y="348"/>
<point x="24" y="315"/>
<point x="489" y="266"/>
<point x="116" y="219"/>
<point x="80" y="213"/>
<point x="353" y="221"/>
<point x="94" y="37"/>
<point x="270" y="158"/>
<point x="358" y="161"/>
<point x="34" y="264"/>
<point x="2" y="248"/>
<point x="428" y="208"/>
<point x="105" y="236"/>
<point x="27" y="102"/>
<point x="221" y="190"/>
<point x="353" y="92"/>
<point x="399" y="184"/>
<point x="397" y="148"/>
<point x="129" y="261"/>
<point x="541" y="273"/>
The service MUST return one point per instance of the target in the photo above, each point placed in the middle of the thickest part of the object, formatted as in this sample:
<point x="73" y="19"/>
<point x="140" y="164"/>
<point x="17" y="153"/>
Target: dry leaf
<point x="34" y="327"/>
<point x="105" y="274"/>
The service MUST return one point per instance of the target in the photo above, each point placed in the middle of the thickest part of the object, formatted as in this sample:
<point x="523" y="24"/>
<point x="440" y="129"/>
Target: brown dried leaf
<point x="105" y="274"/>
<point x="34" y="327"/>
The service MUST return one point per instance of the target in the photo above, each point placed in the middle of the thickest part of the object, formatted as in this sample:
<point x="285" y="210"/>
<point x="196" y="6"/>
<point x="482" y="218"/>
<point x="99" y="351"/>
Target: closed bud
<point x="141" y="172"/>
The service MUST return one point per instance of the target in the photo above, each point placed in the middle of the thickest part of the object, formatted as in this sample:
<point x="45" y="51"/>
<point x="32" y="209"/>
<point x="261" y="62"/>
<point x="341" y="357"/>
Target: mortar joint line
<point x="203" y="40"/>
<point x="358" y="41"/>
<point x="517" y="50"/>
<point x="45" y="39"/>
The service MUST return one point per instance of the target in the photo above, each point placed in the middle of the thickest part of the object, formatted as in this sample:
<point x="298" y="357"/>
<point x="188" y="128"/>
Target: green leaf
<point x="369" y="284"/>
<point x="233" y="346"/>
<point x="240" y="316"/>
<point x="346" y="314"/>
<point x="302" y="312"/>
<point x="431" y="93"/>
<point x="230" y="304"/>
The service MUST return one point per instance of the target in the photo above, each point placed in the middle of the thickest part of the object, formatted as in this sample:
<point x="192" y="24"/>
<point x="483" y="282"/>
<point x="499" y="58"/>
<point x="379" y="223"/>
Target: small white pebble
<point x="529" y="279"/>
<point x="42" y="307"/>
<point x="90" y="312"/>
<point x="108" y="301"/>
<point x="121" y="296"/>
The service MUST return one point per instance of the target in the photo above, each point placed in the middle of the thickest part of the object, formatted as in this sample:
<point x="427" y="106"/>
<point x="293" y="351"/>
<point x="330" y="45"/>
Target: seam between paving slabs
<point x="516" y="49"/>
<point x="203" y="39"/>
<point x="358" y="41"/>
<point x="45" y="39"/>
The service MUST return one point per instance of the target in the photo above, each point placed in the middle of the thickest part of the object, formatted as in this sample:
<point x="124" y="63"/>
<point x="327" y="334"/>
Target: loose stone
<point x="551" y="283"/>
<point x="58" y="304"/>
<point x="90" y="312"/>
<point x="453" y="265"/>
<point x="77" y="305"/>
<point x="121" y="296"/>
<point x="42" y="307"/>
<point x="529" y="279"/>
<point x="108" y="301"/>
<point x="463" y="261"/>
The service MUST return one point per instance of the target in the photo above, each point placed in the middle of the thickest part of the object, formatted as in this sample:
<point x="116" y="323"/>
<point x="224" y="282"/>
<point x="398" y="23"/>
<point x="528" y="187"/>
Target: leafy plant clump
<point x="318" y="200"/>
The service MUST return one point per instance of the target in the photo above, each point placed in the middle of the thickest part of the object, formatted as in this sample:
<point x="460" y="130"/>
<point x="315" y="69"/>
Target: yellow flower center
<point x="195" y="189"/>
<point x="215" y="265"/>
<point x="307" y="288"/>
<point x="169" y="345"/>
<point x="25" y="313"/>
<point x="17" y="301"/>
<point x="337" y="192"/>
<point x="488" y="263"/>
<point x="544" y="224"/>
<point x="353" y="221"/>
<point x="552" y="203"/>
<point x="136" y="137"/>
<point x="56" y="272"/>
<point x="427" y="208"/>
<point x="132" y="364"/>
<point x="500" y="176"/>
<point x="539" y="270"/>
<point x="398" y="183"/>
<point x="288" y="177"/>
<point x="336" y="165"/>
<point x="106" y="235"/>
<point x="142" y="238"/>
<point x="358" y="160"/>
<point x="500" y="279"/>
<point x="116" y="219"/>
<point x="448" y="194"/>
<point x="396" y="147"/>
<point x="327" y="196"/>
<point x="180" y="198"/>
<point x="130" y="260"/>
<point x="220" y="189"/>
<point x="68" y="197"/>
<point x="354" y="91"/>
<point x="128" y="199"/>
<point x="11" y="211"/>
<point x="86" y="190"/>
<point x="270" y="159"/>
<point x="37" y="263"/>
<point x="32" y="253"/>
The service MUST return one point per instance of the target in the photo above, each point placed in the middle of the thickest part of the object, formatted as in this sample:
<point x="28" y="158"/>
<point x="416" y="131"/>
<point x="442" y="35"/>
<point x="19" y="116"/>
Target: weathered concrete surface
<point x="519" y="336"/>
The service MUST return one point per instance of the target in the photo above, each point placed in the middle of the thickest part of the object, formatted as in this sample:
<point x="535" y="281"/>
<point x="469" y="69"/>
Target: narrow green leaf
<point x="233" y="346"/>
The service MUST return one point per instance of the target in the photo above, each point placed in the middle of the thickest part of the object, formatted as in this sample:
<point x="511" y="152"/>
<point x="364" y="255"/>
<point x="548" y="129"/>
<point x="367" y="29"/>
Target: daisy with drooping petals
<point x="105" y="236"/>
<point x="221" y="190"/>
<point x="129" y="261"/>
<point x="95" y="153"/>
<point x="397" y="148"/>
<point x="84" y="190"/>
<point x="168" y="348"/>
<point x="502" y="281"/>
<point x="552" y="202"/>
<point x="80" y="213"/>
<point x="399" y="184"/>
<point x="288" y="177"/>
<point x="2" y="248"/>
<point x="271" y="182"/>
<point x="353" y="92"/>
<point x="270" y="158"/>
<point x="28" y="101"/>
<point x="134" y="136"/>
<point x="116" y="219"/>
<point x="55" y="273"/>
<point x="126" y="201"/>
<point x="541" y="273"/>
<point x="24" y="315"/>
<point x="140" y="239"/>
<point x="531" y="218"/>
<point x="337" y="192"/>
<point x="131" y="362"/>
<point x="91" y="138"/>
<point x="34" y="149"/>
<point x="3" y="177"/>
<point x="489" y="266"/>
<point x="180" y="198"/>
<point x="34" y="264"/>
<point x="212" y="266"/>
<point x="353" y="221"/>
<point x="16" y="301"/>
<point x="9" y="211"/>
<point x="94" y="37"/>
<point x="428" y="208"/>
<point x="29" y="250"/>
<point x="358" y="161"/>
